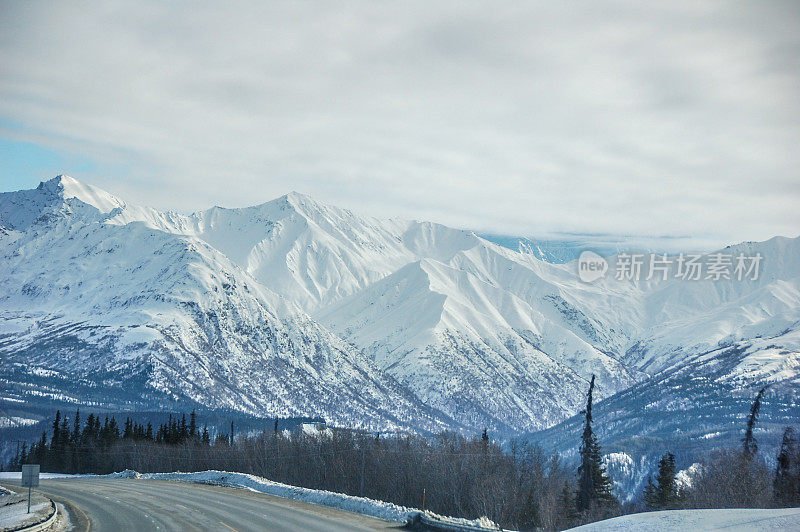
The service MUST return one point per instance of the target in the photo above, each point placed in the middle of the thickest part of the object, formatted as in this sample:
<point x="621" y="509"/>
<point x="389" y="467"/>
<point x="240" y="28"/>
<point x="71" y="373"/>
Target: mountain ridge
<point x="455" y="330"/>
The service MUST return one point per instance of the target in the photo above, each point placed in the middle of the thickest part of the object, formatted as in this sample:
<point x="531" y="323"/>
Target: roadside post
<point x="30" y="479"/>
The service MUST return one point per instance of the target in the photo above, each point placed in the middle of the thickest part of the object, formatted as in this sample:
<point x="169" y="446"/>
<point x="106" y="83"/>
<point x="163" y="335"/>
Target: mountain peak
<point x="299" y="200"/>
<point x="306" y="206"/>
<point x="67" y="187"/>
<point x="298" y="196"/>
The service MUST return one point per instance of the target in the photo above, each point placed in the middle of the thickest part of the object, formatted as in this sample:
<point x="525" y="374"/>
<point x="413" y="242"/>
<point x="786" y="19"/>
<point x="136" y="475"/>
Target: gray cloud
<point x="520" y="118"/>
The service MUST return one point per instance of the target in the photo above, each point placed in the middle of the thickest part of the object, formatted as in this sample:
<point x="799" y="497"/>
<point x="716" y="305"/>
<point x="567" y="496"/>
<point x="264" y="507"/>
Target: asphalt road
<point x="120" y="505"/>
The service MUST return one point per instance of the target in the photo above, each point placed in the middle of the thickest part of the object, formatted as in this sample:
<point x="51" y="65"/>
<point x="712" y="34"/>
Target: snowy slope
<point x="115" y="301"/>
<point x="740" y="520"/>
<point x="689" y="317"/>
<point x="320" y="257"/>
<point x="292" y="306"/>
<point x="474" y="348"/>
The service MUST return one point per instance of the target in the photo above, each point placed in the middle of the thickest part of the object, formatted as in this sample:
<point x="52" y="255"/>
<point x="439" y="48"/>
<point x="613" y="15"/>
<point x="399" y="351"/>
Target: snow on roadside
<point x="382" y="510"/>
<point x="16" y="475"/>
<point x="14" y="510"/>
<point x="361" y="505"/>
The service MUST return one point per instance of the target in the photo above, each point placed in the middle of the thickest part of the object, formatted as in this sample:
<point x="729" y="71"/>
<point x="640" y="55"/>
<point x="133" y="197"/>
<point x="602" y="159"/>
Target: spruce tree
<point x="63" y="433"/>
<point x="56" y="431"/>
<point x="192" y="425"/>
<point x="76" y="428"/>
<point x="183" y="431"/>
<point x="40" y="453"/>
<point x="786" y="485"/>
<point x="749" y="441"/>
<point x="23" y="455"/>
<point x="663" y="495"/>
<point x="87" y="430"/>
<point x="594" y="486"/>
<point x="650" y="495"/>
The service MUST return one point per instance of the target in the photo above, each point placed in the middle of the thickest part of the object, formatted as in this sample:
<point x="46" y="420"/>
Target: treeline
<point x="449" y="474"/>
<point x="520" y="488"/>
<point x="76" y="447"/>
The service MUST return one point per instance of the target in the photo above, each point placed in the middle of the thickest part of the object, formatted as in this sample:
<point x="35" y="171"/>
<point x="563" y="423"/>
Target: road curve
<point x="120" y="505"/>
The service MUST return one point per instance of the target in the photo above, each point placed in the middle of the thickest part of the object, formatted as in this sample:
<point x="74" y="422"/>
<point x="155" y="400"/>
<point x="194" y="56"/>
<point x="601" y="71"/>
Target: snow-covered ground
<point x="14" y="509"/>
<point x="729" y="520"/>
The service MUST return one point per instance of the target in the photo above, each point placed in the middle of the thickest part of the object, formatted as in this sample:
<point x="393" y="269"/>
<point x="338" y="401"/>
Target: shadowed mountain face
<point x="293" y="307"/>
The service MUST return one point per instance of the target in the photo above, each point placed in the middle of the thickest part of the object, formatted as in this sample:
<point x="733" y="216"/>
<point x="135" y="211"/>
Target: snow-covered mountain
<point x="296" y="307"/>
<point x="118" y="304"/>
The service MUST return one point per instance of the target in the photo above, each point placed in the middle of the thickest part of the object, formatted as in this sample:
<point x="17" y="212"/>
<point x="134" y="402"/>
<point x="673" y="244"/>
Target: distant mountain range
<point x="293" y="307"/>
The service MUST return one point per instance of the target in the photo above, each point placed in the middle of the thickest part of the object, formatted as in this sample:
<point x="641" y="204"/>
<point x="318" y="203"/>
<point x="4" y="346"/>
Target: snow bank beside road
<point x="730" y="520"/>
<point x="16" y="475"/>
<point x="361" y="505"/>
<point x="382" y="510"/>
<point x="14" y="509"/>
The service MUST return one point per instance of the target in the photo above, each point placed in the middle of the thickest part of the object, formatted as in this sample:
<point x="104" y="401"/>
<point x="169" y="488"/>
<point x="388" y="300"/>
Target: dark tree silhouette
<point x="663" y="495"/>
<point x="594" y="486"/>
<point x="749" y="441"/>
<point x="786" y="486"/>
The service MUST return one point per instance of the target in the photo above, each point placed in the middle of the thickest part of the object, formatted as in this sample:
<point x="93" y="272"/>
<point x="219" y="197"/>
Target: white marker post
<point x="30" y="479"/>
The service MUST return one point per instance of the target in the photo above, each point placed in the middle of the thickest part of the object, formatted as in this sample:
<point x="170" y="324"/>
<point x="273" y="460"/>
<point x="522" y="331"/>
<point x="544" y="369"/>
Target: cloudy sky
<point x="653" y="119"/>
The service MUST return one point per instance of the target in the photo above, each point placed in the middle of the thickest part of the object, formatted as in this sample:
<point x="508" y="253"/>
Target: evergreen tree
<point x="23" y="455"/>
<point x="192" y="425"/>
<point x="58" y="445"/>
<point x="594" y="486"/>
<point x="749" y="441"/>
<point x="183" y="432"/>
<point x="76" y="428"/>
<point x="664" y="494"/>
<point x="172" y="430"/>
<point x="786" y="486"/>
<point x="206" y="439"/>
<point x="88" y="430"/>
<point x="40" y="452"/>
<point x="650" y="495"/>
<point x="113" y="432"/>
<point x="56" y="431"/>
<point x="63" y="433"/>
